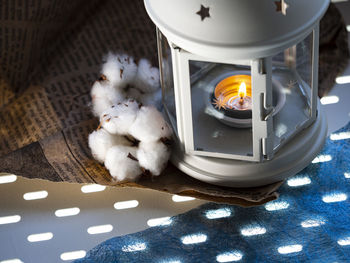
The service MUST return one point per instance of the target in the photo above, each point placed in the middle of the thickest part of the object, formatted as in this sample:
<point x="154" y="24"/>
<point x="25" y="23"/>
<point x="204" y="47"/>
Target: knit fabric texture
<point x="310" y="222"/>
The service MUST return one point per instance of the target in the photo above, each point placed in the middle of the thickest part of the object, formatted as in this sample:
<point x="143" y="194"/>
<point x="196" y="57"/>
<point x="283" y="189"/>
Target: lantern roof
<point x="240" y="29"/>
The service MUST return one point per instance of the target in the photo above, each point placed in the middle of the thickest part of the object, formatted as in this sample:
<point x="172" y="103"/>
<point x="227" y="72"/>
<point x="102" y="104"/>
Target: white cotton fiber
<point x="147" y="77"/>
<point x="134" y="93"/>
<point x="119" y="117"/>
<point x="121" y="164"/>
<point x="112" y="69"/>
<point x="116" y="99"/>
<point x="154" y="98"/>
<point x="129" y="68"/>
<point x="153" y="156"/>
<point x="103" y="96"/>
<point x="100" y="141"/>
<point x="147" y="99"/>
<point x="150" y="125"/>
<point x="120" y="69"/>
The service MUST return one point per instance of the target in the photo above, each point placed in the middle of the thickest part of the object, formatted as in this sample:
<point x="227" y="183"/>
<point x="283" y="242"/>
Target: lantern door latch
<point x="265" y="112"/>
<point x="262" y="67"/>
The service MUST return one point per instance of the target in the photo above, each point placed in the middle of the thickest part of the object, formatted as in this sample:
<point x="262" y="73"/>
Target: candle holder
<point x="225" y="100"/>
<point x="239" y="84"/>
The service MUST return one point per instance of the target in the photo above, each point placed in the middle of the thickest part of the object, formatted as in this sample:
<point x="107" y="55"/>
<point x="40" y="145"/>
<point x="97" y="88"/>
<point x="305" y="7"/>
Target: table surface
<point x="102" y="206"/>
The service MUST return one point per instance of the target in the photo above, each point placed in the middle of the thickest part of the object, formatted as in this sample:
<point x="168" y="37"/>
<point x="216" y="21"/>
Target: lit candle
<point x="232" y="94"/>
<point x="240" y="101"/>
<point x="242" y="92"/>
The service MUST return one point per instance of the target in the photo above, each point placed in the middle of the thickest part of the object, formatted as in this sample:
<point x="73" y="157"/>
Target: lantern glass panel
<point x="219" y="121"/>
<point x="292" y="73"/>
<point x="166" y="77"/>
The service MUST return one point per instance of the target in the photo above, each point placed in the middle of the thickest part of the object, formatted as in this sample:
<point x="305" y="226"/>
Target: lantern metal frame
<point x="267" y="163"/>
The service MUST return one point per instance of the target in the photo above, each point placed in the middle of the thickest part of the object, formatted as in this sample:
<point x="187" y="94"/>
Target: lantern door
<point x="218" y="117"/>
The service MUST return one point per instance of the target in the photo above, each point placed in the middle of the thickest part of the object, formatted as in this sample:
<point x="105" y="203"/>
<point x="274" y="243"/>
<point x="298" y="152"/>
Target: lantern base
<point x="288" y="161"/>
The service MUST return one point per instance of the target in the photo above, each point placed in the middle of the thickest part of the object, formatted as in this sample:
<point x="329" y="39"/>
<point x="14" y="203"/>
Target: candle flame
<point x="234" y="92"/>
<point x="242" y="91"/>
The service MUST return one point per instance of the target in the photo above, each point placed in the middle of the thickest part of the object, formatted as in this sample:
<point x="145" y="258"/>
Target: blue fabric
<point x="328" y="241"/>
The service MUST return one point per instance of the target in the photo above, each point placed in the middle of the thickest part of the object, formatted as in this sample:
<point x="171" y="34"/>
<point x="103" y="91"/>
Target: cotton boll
<point x="150" y="125"/>
<point x="149" y="99"/>
<point x="153" y="156"/>
<point x="121" y="163"/>
<point x="134" y="93"/>
<point x="100" y="105"/>
<point x="154" y="98"/>
<point x="119" y="117"/>
<point x="129" y="68"/>
<point x="112" y="70"/>
<point x="100" y="141"/>
<point x="119" y="69"/>
<point x="147" y="77"/>
<point x="103" y="96"/>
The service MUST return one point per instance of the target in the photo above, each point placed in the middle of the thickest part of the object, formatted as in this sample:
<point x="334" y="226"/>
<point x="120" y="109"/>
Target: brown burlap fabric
<point x="51" y="53"/>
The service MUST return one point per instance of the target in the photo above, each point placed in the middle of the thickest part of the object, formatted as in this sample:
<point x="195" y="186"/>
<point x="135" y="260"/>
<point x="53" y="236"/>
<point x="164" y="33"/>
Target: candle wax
<point x="239" y="103"/>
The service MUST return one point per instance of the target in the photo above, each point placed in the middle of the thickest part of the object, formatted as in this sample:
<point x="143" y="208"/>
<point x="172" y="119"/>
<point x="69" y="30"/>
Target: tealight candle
<point x="233" y="97"/>
<point x="241" y="101"/>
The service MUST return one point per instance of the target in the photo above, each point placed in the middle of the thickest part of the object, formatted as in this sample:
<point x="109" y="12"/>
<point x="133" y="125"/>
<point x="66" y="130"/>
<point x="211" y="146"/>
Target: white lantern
<point x="239" y="83"/>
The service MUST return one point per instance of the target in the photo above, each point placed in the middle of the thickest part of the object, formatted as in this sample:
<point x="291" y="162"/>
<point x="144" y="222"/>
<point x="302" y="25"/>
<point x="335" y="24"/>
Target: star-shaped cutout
<point x="203" y="12"/>
<point x="219" y="102"/>
<point x="281" y="6"/>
